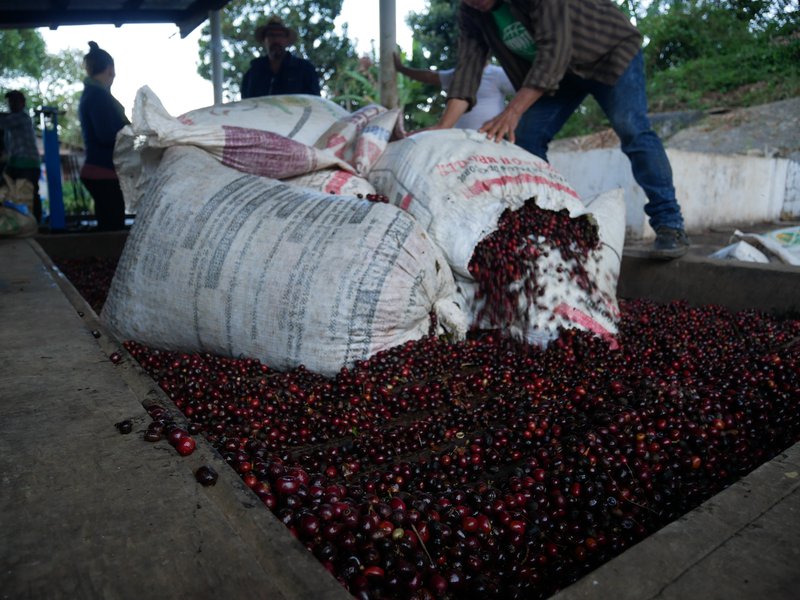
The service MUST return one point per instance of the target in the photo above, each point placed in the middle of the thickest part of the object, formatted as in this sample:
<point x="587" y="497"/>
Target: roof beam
<point x="59" y="13"/>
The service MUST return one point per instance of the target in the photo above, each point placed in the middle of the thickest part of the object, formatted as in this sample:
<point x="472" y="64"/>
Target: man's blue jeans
<point x="625" y="105"/>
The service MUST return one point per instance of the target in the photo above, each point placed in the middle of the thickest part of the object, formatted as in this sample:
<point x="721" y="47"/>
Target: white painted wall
<point x="713" y="189"/>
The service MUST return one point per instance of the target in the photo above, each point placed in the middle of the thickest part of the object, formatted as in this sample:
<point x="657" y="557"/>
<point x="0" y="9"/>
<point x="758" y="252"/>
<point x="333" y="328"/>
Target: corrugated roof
<point x="25" y="14"/>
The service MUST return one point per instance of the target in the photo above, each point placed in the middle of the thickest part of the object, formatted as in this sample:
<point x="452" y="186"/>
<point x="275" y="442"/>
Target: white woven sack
<point x="565" y="305"/>
<point x="255" y="151"/>
<point x="273" y="137"/>
<point x="235" y="264"/>
<point x="299" y="117"/>
<point x="361" y="138"/>
<point x="457" y="184"/>
<point x="334" y="181"/>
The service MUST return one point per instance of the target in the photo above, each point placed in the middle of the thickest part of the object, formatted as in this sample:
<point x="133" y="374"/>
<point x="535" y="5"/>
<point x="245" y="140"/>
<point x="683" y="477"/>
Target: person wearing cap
<point x="557" y="52"/>
<point x="24" y="161"/>
<point x="279" y="72"/>
<point x="101" y="116"/>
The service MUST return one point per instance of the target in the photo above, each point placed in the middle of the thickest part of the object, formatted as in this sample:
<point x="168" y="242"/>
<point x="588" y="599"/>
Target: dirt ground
<point x="771" y="130"/>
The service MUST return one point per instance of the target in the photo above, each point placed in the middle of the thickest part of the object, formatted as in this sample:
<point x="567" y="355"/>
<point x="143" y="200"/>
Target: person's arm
<point x="453" y="111"/>
<point x="552" y="33"/>
<point x="553" y="37"/>
<point x="423" y="75"/>
<point x="504" y="124"/>
<point x="472" y="55"/>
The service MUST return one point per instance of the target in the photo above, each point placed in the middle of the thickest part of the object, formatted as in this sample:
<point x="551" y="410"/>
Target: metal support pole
<point x="216" y="54"/>
<point x="52" y="163"/>
<point x="388" y="44"/>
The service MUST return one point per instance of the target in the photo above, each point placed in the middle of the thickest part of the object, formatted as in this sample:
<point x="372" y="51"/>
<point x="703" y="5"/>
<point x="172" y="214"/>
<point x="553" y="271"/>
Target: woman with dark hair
<point x="102" y="116"/>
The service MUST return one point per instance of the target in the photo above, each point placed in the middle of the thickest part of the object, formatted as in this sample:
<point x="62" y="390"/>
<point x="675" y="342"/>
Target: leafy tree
<point x="704" y="53"/>
<point x="356" y="85"/>
<point x="435" y="34"/>
<point x="49" y="80"/>
<point x="56" y="81"/>
<point x="22" y="52"/>
<point x="435" y="45"/>
<point x="313" y="21"/>
<point x="61" y="85"/>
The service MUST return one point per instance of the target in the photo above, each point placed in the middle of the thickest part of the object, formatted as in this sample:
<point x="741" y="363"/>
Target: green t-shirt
<point x="513" y="33"/>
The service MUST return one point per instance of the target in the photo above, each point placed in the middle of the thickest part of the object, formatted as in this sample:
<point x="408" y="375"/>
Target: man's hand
<point x="502" y="126"/>
<point x="505" y="124"/>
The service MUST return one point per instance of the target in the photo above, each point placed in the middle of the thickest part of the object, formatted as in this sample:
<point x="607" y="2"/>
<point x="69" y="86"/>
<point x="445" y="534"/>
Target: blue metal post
<point x="52" y="161"/>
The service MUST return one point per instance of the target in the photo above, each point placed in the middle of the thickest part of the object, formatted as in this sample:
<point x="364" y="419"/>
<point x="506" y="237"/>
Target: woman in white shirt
<point x="490" y="99"/>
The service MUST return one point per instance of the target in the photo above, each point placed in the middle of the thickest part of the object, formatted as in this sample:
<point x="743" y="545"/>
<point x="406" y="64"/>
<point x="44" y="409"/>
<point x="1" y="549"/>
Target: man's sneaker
<point x="670" y="243"/>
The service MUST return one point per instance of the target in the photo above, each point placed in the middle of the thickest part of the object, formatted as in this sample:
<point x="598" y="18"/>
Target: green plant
<point x="77" y="200"/>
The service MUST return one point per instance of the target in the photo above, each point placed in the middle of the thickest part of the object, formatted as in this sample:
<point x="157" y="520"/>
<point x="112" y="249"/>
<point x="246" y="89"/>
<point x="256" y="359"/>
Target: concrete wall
<point x="713" y="189"/>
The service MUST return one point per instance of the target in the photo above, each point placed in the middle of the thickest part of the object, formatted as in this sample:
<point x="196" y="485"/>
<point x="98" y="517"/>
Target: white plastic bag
<point x="784" y="243"/>
<point x="741" y="251"/>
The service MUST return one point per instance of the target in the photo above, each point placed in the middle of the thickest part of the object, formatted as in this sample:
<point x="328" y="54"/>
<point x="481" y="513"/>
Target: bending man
<point x="556" y="52"/>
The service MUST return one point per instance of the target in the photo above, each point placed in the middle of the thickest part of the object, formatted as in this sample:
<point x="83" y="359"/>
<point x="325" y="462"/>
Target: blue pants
<point x="625" y="105"/>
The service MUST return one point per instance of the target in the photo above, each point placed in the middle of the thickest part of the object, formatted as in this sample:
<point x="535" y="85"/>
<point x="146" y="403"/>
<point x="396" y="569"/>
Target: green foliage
<point x="759" y="71"/>
<point x="435" y="35"/>
<point x="701" y="54"/>
<point x="22" y="52"/>
<point x="690" y="31"/>
<point x="727" y="52"/>
<point x="312" y="19"/>
<point x="355" y="83"/>
<point x="61" y="85"/>
<point x="57" y="80"/>
<point x="77" y="200"/>
<point x="49" y="80"/>
<point x="435" y="45"/>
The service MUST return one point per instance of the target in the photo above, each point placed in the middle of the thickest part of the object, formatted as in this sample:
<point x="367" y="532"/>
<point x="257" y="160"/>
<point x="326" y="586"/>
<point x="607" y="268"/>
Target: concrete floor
<point x="773" y="287"/>
<point x="86" y="512"/>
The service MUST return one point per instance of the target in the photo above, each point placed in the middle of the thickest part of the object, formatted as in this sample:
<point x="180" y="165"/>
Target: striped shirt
<point x="590" y="38"/>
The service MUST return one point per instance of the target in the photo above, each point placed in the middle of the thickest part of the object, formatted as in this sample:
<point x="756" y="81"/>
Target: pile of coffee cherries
<point x="91" y="277"/>
<point x="491" y="469"/>
<point x="507" y="263"/>
<point x="488" y="468"/>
